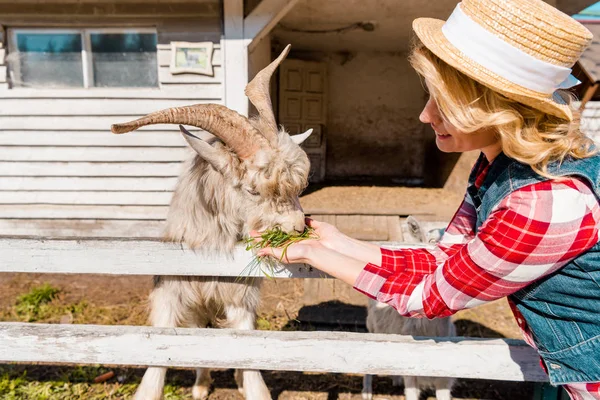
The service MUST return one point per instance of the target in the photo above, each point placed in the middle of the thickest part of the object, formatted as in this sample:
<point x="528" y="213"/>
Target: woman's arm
<point x="532" y="233"/>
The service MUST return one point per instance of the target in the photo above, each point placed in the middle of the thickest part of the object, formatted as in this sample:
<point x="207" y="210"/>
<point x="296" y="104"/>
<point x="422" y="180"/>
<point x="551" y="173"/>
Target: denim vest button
<point x="555" y="366"/>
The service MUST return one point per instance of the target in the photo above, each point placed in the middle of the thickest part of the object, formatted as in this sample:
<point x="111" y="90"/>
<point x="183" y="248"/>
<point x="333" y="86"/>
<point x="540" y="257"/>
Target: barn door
<point x="302" y="105"/>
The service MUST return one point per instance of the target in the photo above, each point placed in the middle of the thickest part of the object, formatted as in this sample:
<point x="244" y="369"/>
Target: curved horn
<point x="234" y="129"/>
<point x="258" y="93"/>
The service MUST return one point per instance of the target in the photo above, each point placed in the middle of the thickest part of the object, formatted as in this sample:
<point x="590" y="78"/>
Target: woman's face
<point x="450" y="140"/>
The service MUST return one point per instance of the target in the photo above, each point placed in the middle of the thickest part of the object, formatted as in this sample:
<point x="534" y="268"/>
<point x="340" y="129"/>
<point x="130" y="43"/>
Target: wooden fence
<point x="341" y="352"/>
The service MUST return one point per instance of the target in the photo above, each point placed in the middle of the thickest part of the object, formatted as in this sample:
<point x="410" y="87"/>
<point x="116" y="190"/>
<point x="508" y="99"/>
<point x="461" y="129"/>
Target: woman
<point x="528" y="226"/>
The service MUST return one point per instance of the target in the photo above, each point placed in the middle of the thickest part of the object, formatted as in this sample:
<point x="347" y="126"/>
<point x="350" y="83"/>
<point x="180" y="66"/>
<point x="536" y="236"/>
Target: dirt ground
<point x="122" y="300"/>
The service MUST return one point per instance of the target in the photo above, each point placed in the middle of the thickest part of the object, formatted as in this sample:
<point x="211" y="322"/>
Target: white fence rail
<point x="498" y="359"/>
<point x="343" y="352"/>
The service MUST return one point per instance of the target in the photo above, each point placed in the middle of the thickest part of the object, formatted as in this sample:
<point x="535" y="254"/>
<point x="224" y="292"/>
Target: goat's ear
<point x="204" y="149"/>
<point x="299" y="139"/>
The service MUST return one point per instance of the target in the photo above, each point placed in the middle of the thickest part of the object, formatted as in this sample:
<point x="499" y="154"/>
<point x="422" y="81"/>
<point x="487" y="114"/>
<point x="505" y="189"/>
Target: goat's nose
<point x="299" y="224"/>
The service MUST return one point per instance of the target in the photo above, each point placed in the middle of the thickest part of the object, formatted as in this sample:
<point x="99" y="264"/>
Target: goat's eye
<point x="252" y="192"/>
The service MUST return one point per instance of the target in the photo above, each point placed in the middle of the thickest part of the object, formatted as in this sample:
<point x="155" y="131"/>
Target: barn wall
<point x="373" y="128"/>
<point x="62" y="172"/>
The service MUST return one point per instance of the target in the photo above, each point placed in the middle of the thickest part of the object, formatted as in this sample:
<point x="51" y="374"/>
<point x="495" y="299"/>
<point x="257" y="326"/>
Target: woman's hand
<point x="300" y="252"/>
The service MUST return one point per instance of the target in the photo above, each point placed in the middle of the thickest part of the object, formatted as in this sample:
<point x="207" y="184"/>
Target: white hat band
<point x="502" y="58"/>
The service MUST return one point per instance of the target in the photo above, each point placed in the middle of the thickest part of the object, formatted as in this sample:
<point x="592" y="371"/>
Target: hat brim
<point x="429" y="31"/>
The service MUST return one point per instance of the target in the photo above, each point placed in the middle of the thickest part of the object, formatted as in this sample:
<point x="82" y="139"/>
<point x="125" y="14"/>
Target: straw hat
<point x="523" y="49"/>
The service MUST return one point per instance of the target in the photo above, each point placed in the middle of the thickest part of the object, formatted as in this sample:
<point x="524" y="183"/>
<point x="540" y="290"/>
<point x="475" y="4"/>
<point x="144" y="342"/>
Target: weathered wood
<point x="131" y="154"/>
<point x="127" y="257"/>
<point x="394" y="229"/>
<point x="55" y="211"/>
<point x="81" y="228"/>
<point x="113" y="10"/>
<point x="164" y="56"/>
<point x="148" y="169"/>
<point x="363" y="227"/>
<point x="170" y="138"/>
<point x="589" y="94"/>
<point x="30" y="107"/>
<point x="265" y="16"/>
<point x="72" y="123"/>
<point x="132" y="184"/>
<point x="87" y="198"/>
<point x="340" y="352"/>
<point x="102" y="1"/>
<point x="235" y="56"/>
<point x="174" y="92"/>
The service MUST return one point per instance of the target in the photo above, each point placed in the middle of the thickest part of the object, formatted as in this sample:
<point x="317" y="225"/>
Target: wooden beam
<point x="264" y="18"/>
<point x="235" y="56"/>
<point x="338" y="352"/>
<point x="589" y="94"/>
<point x="134" y="257"/>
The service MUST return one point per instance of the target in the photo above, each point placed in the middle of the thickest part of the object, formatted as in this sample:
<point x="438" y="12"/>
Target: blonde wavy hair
<point x="527" y="135"/>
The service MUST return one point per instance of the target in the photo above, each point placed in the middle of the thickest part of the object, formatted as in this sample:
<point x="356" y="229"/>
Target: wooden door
<point x="302" y="106"/>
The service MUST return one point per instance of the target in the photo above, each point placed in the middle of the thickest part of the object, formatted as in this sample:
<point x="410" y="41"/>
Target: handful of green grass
<point x="273" y="238"/>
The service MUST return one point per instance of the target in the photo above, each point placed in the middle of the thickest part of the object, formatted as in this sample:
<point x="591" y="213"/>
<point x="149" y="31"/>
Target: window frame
<point x="86" y="49"/>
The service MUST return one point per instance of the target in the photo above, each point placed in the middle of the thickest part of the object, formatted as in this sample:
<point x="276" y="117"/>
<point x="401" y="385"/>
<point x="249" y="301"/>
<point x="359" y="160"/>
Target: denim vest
<point x="562" y="309"/>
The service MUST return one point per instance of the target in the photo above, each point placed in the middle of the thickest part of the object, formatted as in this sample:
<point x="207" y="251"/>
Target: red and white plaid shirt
<point x="533" y="232"/>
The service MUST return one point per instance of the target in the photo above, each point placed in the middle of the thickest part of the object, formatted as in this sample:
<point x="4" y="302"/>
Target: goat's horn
<point x="229" y="126"/>
<point x="258" y="93"/>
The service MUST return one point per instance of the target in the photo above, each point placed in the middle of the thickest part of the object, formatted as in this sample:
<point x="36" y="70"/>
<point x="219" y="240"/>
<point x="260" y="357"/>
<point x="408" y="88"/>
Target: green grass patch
<point x="275" y="238"/>
<point x="31" y="305"/>
<point x="19" y="382"/>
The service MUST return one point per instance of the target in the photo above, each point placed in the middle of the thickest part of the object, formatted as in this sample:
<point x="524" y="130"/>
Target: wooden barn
<point x="71" y="68"/>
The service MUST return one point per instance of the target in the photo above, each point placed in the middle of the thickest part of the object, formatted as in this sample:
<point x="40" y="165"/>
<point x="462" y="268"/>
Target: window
<point x="83" y="58"/>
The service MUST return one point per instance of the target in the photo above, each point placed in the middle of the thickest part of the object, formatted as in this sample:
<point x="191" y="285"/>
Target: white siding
<point x="62" y="173"/>
<point x="590" y="121"/>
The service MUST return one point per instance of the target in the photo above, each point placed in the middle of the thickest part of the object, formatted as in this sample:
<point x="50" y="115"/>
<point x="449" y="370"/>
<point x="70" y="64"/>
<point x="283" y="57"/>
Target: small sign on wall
<point x="191" y="58"/>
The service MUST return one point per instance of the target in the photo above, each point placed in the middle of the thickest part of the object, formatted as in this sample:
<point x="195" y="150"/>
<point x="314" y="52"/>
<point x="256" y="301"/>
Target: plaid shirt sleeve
<point x="533" y="232"/>
<point x="423" y="261"/>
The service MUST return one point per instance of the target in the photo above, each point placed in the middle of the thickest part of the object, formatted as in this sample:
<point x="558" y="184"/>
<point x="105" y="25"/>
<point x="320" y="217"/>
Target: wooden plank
<point x="339" y="352"/>
<point x="394" y="228"/>
<point x="148" y="169"/>
<point x="170" y="138"/>
<point x="164" y="56"/>
<point x="81" y="228"/>
<point x="363" y="227"/>
<point x="265" y="16"/>
<point x="191" y="92"/>
<point x="87" y="198"/>
<point x="72" y="123"/>
<point x="48" y="153"/>
<point x="165" y="76"/>
<point x="114" y="9"/>
<point x="127" y="257"/>
<point x="133" y="184"/>
<point x="53" y="211"/>
<point x="87" y="107"/>
<point x="235" y="56"/>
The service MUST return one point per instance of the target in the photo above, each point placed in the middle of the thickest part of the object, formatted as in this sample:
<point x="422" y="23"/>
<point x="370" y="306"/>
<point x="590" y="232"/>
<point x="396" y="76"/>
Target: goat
<point x="247" y="178"/>
<point x="382" y="318"/>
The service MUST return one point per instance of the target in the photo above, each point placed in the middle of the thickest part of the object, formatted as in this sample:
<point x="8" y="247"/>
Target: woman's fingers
<point x="311" y="222"/>
<point x="270" y="251"/>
